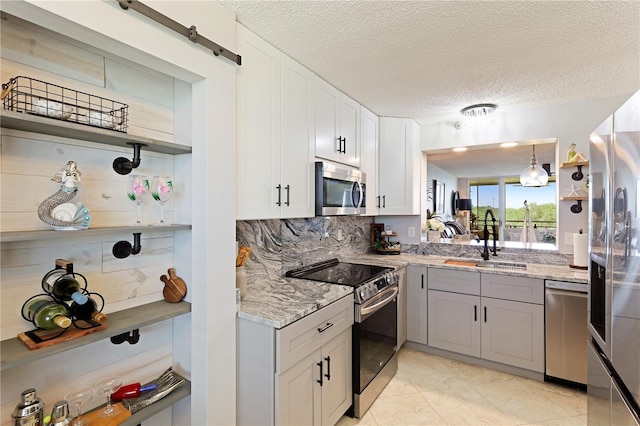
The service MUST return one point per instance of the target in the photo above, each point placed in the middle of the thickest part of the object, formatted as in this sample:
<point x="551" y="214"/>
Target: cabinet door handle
<point x="328" y="375"/>
<point x="320" y="365"/>
<point x="475" y="312"/>
<point x="286" y="203"/>
<point x="344" y="150"/>
<point x="279" y="188"/>
<point x="384" y="201"/>
<point x="321" y="329"/>
<point x="339" y="144"/>
<point x="485" y="314"/>
<point x="378" y="201"/>
<point x="422" y="281"/>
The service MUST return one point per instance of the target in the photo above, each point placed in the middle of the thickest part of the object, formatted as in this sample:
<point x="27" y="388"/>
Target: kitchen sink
<point x="504" y="266"/>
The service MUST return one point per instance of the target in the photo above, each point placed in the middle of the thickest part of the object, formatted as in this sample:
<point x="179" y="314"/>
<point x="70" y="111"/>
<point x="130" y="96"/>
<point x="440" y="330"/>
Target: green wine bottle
<point x="64" y="288"/>
<point x="47" y="314"/>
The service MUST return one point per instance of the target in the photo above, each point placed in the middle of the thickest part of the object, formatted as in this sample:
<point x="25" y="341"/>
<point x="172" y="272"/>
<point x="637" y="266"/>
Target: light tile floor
<point x="432" y="390"/>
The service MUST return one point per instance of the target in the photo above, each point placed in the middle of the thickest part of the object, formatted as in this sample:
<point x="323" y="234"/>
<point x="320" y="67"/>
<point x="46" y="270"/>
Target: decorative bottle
<point x="47" y="314"/>
<point x="64" y="288"/>
<point x="87" y="311"/>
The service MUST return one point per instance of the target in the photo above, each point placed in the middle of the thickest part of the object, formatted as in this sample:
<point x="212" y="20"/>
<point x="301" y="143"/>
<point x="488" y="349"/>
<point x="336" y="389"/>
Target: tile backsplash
<point x="280" y="245"/>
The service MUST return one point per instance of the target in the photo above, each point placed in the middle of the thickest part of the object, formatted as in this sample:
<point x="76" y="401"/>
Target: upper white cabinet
<point x="337" y="122"/>
<point x="369" y="136"/>
<point x="275" y="146"/>
<point x="399" y="167"/>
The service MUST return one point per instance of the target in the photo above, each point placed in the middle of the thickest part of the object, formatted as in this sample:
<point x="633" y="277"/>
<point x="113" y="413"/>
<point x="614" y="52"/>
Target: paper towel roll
<point x="581" y="250"/>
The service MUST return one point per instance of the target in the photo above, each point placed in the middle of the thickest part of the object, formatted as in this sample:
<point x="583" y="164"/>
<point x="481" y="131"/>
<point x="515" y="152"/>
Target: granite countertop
<point x="534" y="270"/>
<point x="282" y="301"/>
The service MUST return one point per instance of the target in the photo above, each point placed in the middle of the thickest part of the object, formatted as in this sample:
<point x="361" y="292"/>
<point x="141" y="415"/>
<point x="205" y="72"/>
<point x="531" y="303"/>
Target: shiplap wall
<point x="27" y="163"/>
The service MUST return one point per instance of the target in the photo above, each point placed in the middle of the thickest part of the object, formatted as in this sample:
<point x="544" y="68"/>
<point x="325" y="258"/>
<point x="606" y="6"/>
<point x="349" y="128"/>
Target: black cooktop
<point x="336" y="272"/>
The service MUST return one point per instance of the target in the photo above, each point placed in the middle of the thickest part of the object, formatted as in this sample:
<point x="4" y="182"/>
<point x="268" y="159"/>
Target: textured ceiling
<point x="429" y="59"/>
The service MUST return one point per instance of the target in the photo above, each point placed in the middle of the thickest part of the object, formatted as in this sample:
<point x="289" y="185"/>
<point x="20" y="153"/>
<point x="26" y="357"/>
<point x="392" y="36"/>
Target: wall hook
<point x="130" y="336"/>
<point x="123" y="249"/>
<point x="123" y="166"/>
<point x="577" y="208"/>
<point x="578" y="174"/>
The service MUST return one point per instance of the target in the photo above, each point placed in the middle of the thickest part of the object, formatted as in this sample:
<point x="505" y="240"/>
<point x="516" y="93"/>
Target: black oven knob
<point x="362" y="294"/>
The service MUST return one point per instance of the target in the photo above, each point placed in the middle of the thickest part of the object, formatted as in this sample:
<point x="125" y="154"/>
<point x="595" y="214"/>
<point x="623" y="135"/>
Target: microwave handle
<point x="353" y="201"/>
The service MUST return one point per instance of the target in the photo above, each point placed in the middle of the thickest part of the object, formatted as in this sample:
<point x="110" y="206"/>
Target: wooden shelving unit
<point x="576" y="164"/>
<point x="13" y="353"/>
<point x="575" y="198"/>
<point x="48" y="234"/>
<point x="55" y="127"/>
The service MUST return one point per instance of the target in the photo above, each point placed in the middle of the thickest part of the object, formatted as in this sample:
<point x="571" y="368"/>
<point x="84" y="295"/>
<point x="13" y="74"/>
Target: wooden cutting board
<point x="175" y="288"/>
<point x="35" y="339"/>
<point x="461" y="262"/>
<point x="95" y="420"/>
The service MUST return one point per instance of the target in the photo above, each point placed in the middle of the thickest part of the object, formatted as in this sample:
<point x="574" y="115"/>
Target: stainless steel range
<point x="375" y="332"/>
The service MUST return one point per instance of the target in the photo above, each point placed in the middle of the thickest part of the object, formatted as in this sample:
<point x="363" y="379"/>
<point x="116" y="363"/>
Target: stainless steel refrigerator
<point x="614" y="270"/>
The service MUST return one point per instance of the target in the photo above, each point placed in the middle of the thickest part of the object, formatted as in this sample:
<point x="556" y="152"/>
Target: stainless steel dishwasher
<point x="566" y="332"/>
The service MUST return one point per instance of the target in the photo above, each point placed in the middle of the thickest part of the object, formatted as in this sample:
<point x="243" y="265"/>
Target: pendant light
<point x="534" y="175"/>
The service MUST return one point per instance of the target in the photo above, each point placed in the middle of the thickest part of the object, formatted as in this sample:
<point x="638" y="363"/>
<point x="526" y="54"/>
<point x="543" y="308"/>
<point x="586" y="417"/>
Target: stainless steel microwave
<point x="340" y="190"/>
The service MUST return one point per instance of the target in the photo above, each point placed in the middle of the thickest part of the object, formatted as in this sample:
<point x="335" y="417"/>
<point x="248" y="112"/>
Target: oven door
<point x="375" y="337"/>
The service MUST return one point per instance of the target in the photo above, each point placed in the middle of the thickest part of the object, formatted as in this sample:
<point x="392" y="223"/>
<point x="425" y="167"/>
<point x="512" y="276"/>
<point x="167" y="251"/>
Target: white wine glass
<point x="161" y="190"/>
<point x="107" y="387"/>
<point x="137" y="191"/>
<point x="78" y="398"/>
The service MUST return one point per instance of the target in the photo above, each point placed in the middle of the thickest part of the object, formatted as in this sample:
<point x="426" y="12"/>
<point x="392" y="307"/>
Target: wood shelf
<point x="13" y="353"/>
<point x="49" y="234"/>
<point x="576" y="164"/>
<point x="575" y="198"/>
<point x="66" y="129"/>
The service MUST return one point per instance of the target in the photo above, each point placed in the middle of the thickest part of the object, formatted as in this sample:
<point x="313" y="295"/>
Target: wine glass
<point x="109" y="386"/>
<point x="137" y="191"/>
<point x="78" y="398"/>
<point x="161" y="189"/>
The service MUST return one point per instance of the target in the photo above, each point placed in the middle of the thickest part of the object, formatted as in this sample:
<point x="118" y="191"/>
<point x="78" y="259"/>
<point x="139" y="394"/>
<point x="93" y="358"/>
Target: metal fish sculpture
<point x="56" y="210"/>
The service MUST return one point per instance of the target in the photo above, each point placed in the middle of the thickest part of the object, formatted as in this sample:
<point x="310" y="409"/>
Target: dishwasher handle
<point x="566" y="293"/>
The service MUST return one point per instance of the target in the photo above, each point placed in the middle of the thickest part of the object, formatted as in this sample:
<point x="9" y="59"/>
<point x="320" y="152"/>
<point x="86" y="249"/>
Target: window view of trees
<point x="541" y="203"/>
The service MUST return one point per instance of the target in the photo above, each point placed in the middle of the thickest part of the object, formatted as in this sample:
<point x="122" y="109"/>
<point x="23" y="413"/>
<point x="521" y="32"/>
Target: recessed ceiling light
<point x="508" y="144"/>
<point x="460" y="149"/>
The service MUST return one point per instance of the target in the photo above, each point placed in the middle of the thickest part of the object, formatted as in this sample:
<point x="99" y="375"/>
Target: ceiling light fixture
<point x="459" y="149"/>
<point x="478" y="110"/>
<point x="508" y="144"/>
<point x="534" y="175"/>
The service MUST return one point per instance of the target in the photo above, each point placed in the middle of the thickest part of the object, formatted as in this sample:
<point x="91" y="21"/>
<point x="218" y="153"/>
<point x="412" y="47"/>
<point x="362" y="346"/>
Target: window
<point x="486" y="193"/>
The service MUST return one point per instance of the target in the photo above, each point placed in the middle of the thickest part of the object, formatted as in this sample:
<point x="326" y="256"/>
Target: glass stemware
<point x="161" y="190"/>
<point x="137" y="191"/>
<point x="78" y="398"/>
<point x="109" y="386"/>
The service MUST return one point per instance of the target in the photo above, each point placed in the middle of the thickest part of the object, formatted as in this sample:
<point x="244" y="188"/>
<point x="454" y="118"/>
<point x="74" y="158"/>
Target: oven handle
<point x="378" y="302"/>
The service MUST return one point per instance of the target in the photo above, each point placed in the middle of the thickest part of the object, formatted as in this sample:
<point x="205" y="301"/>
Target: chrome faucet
<point x="485" y="253"/>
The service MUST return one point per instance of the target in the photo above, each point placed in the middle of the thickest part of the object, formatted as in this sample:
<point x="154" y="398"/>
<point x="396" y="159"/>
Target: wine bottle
<point x="131" y="391"/>
<point x="64" y="288"/>
<point x="47" y="314"/>
<point x="87" y="311"/>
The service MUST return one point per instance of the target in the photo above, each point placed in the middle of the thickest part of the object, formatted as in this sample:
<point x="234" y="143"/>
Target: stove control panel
<point x="371" y="288"/>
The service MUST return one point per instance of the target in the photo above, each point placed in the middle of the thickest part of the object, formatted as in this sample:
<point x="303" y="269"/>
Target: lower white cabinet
<point x="317" y="390"/>
<point x="417" y="304"/>
<point x="297" y="375"/>
<point x="493" y="328"/>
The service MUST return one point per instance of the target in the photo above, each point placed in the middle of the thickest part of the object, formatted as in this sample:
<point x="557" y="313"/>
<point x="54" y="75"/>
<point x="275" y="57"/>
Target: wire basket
<point x="31" y="96"/>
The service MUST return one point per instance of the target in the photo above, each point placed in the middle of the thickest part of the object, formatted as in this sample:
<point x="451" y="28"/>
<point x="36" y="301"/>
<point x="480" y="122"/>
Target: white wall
<point x="571" y="123"/>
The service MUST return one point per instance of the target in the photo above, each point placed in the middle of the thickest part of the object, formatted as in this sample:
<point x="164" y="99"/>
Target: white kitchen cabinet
<point x="402" y="306"/>
<point x="417" y="304"/>
<point x="494" y="317"/>
<point x="337" y="125"/>
<point x="275" y="145"/>
<point x="399" y="167"/>
<point x="280" y="370"/>
<point x="369" y="137"/>
<point x="513" y="333"/>
<point x="314" y="391"/>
